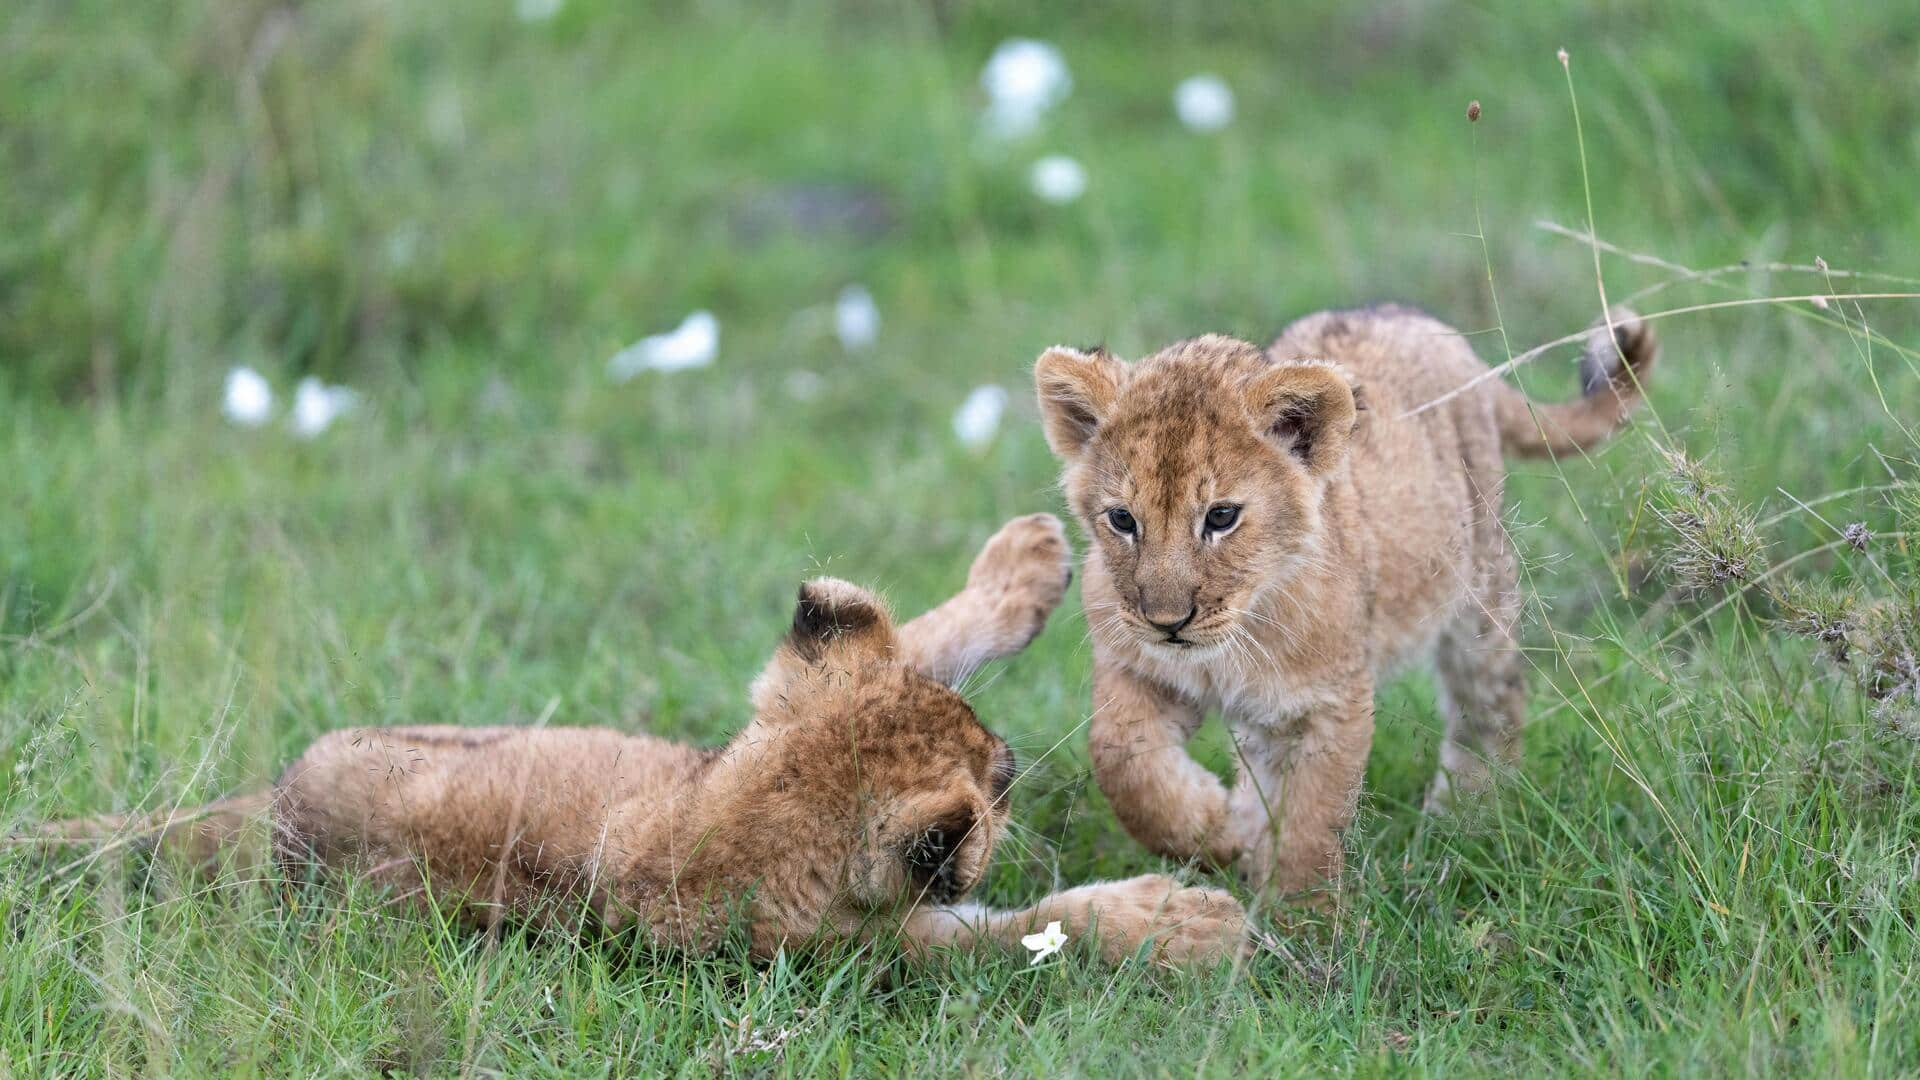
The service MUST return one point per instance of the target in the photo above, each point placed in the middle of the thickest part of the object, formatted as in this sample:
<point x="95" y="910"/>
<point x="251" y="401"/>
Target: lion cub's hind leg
<point x="1483" y="685"/>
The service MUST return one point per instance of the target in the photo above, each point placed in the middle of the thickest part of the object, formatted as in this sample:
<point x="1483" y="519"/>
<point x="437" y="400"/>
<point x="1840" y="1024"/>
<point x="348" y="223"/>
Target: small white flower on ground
<point x="979" y="416"/>
<point x="1045" y="943"/>
<point x="693" y="343"/>
<point x="531" y="11"/>
<point x="1023" y="79"/>
<point x="856" y="319"/>
<point x="1204" y="103"/>
<point x="249" y="398"/>
<point x="316" y="406"/>
<point x="1058" y="178"/>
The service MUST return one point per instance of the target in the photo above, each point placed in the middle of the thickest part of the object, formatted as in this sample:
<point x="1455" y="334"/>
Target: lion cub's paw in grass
<point x="862" y="800"/>
<point x="1272" y="530"/>
<point x="1151" y="916"/>
<point x="1181" y="925"/>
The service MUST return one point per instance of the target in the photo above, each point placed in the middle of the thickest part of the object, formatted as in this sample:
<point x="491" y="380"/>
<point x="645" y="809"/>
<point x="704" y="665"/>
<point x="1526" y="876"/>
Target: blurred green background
<point x="462" y="211"/>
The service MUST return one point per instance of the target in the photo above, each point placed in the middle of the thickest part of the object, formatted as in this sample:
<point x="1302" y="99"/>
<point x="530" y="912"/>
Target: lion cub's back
<point x="453" y="792"/>
<point x="1402" y="357"/>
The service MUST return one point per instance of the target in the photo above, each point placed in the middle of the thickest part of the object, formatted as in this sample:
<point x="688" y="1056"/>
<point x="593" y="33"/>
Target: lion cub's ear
<point x="834" y="618"/>
<point x="1075" y="389"/>
<point x="1306" y="409"/>
<point x="836" y="624"/>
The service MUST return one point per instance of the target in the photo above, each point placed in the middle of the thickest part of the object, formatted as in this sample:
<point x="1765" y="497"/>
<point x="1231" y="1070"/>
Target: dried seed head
<point x="1473" y="111"/>
<point x="1825" y="614"/>
<point x="1691" y="477"/>
<point x="1857" y="536"/>
<point x="1708" y="551"/>
<point x="1885" y="661"/>
<point x="1712" y="540"/>
<point x="1820" y="264"/>
<point x="1562" y="54"/>
<point x="1895" y="690"/>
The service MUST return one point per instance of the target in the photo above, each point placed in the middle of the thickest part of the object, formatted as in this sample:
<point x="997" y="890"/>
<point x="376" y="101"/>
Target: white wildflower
<point x="1023" y="79"/>
<point x="1204" y="103"/>
<point x="249" y="398"/>
<point x="693" y="343"/>
<point x="1045" y="943"/>
<point x="979" y="416"/>
<point x="316" y="406"/>
<point x="856" y="318"/>
<point x="1058" y="178"/>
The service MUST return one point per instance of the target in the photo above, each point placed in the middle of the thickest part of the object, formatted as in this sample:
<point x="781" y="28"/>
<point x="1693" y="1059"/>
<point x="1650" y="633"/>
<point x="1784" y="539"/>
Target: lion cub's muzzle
<point x="1168" y="626"/>
<point x="934" y="858"/>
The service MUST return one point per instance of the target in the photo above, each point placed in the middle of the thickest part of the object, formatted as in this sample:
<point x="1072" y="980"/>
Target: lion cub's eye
<point x="1222" y="518"/>
<point x="1122" y="521"/>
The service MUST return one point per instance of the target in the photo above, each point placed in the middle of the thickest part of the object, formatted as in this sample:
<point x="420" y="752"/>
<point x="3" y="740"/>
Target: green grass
<point x="1706" y="865"/>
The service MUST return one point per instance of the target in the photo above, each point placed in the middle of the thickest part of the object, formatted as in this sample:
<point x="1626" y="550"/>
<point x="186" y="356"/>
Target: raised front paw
<point x="1181" y="925"/>
<point x="1023" y="573"/>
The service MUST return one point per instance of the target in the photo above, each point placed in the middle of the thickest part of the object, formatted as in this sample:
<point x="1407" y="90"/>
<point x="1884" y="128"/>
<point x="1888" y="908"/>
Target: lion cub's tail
<point x="1612" y="373"/>
<point x="229" y="833"/>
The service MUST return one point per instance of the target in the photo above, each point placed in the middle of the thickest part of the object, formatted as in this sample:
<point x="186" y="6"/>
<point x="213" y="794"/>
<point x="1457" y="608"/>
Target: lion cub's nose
<point x="1169" y="628"/>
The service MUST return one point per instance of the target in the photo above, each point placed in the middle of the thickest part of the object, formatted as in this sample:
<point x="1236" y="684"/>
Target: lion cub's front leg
<point x="1015" y="582"/>
<point x="1166" y="800"/>
<point x="1279" y="827"/>
<point x="1181" y="925"/>
<point x="1298" y="789"/>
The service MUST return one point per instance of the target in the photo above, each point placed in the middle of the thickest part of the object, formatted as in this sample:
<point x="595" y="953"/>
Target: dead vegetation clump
<point x="1714" y="544"/>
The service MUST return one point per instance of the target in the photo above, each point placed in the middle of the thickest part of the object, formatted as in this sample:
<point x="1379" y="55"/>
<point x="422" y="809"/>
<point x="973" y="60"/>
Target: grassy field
<point x="1710" y="862"/>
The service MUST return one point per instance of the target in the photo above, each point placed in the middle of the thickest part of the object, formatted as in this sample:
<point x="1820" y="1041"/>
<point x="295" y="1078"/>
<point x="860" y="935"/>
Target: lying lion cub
<point x="863" y="799"/>
<point x="1263" y="547"/>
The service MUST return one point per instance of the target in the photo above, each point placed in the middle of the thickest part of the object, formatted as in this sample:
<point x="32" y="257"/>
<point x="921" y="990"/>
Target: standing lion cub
<point x="863" y="799"/>
<point x="1264" y="544"/>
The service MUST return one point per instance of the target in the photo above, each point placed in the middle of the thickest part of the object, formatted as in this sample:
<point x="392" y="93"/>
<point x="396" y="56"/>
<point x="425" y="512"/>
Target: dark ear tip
<point x="822" y="612"/>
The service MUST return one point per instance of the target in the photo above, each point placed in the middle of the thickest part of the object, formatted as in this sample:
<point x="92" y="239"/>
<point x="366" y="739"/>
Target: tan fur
<point x="863" y="799"/>
<point x="1364" y="538"/>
